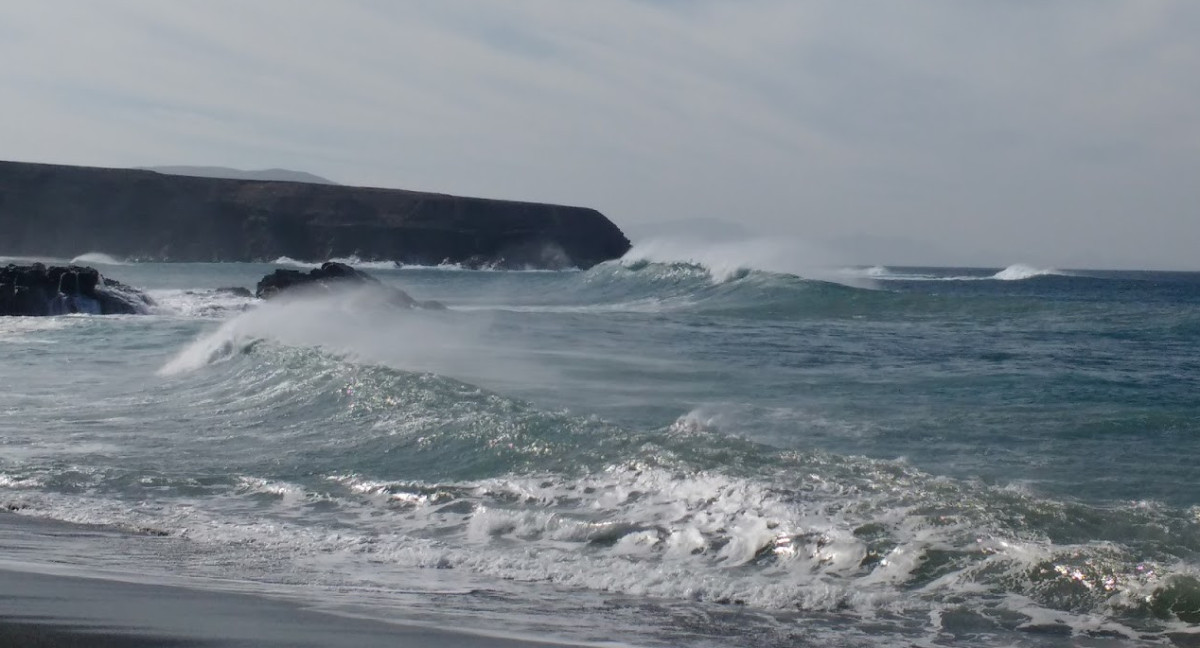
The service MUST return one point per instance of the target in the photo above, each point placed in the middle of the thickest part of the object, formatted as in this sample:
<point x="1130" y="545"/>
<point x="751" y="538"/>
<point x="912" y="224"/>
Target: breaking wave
<point x="1016" y="272"/>
<point x="350" y="261"/>
<point x="1019" y="272"/>
<point x="98" y="258"/>
<point x="428" y="472"/>
<point x="731" y="260"/>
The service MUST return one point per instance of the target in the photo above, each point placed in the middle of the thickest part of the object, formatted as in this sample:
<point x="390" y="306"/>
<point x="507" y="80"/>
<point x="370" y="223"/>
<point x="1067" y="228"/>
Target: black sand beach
<point x="45" y="610"/>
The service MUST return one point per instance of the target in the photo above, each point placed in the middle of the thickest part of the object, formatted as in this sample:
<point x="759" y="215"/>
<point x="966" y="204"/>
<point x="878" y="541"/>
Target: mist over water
<point x="703" y="444"/>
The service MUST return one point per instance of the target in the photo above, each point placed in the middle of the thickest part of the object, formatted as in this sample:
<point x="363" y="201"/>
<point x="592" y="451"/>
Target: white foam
<point x="19" y="482"/>
<point x="25" y="329"/>
<point x="458" y="267"/>
<point x="98" y="258"/>
<point x="1015" y="272"/>
<point x="200" y="303"/>
<point x="731" y="260"/>
<point x="1020" y="271"/>
<point x="350" y="261"/>
<point x="288" y="261"/>
<point x="370" y="265"/>
<point x="645" y="530"/>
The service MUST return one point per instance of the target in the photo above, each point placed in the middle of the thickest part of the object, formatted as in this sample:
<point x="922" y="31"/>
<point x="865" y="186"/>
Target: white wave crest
<point x="731" y="260"/>
<point x="98" y="258"/>
<point x="350" y="261"/>
<point x="289" y="261"/>
<point x="1020" y="271"/>
<point x="362" y="327"/>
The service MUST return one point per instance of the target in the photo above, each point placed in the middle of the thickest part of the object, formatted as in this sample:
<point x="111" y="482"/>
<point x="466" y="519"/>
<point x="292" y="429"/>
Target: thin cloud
<point x="1036" y="130"/>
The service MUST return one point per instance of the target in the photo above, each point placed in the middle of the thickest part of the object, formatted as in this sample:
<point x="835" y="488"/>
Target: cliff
<point x="63" y="211"/>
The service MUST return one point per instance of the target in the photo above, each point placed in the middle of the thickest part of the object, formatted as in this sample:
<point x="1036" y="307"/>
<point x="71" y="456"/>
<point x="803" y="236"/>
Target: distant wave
<point x="1015" y="272"/>
<point x="393" y="265"/>
<point x="884" y="273"/>
<point x="289" y="261"/>
<point x="350" y="261"/>
<point x="1020" y="271"/>
<point x="458" y="267"/>
<point x="726" y="261"/>
<point x="98" y="258"/>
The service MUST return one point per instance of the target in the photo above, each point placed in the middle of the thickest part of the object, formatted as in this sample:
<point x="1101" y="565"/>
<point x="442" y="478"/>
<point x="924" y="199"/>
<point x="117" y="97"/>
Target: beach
<point x="45" y="606"/>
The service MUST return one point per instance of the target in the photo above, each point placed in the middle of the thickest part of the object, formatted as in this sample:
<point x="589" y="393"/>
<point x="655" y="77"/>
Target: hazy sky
<point x="1062" y="133"/>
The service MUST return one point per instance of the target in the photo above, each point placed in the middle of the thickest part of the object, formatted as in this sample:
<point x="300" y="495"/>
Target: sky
<point x="945" y="132"/>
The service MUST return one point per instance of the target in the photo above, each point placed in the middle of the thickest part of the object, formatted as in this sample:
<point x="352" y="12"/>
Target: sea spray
<point x="98" y="258"/>
<point x="730" y="260"/>
<point x="1020" y="271"/>
<point x="358" y="324"/>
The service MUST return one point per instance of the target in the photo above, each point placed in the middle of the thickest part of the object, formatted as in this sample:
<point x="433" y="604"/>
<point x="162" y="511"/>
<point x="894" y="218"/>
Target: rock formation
<point x="334" y="276"/>
<point x="60" y="290"/>
<point x="62" y="211"/>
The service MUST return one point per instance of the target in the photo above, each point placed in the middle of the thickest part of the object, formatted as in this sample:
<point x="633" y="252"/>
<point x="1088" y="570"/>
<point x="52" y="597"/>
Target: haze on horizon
<point x="943" y="132"/>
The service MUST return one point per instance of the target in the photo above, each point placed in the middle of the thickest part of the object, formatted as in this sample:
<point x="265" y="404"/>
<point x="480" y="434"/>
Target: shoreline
<point x="48" y="606"/>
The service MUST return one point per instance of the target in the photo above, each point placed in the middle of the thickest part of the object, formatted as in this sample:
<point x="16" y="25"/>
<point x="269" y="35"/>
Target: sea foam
<point x="97" y="258"/>
<point x="1020" y="271"/>
<point x="727" y="261"/>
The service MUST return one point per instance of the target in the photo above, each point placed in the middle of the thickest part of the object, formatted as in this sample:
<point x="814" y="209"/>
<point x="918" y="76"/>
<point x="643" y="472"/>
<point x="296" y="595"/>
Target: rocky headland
<point x="62" y="211"/>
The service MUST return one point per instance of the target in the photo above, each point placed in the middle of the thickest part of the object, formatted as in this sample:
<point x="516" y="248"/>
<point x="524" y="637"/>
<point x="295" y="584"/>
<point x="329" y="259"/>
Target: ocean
<point x="651" y="452"/>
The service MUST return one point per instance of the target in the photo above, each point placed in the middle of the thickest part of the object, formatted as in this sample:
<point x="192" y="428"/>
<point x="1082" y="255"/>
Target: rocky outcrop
<point x="332" y="276"/>
<point x="60" y="290"/>
<point x="63" y="210"/>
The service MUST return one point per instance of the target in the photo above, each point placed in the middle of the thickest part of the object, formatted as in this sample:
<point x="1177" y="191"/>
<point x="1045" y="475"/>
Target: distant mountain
<point x="227" y="173"/>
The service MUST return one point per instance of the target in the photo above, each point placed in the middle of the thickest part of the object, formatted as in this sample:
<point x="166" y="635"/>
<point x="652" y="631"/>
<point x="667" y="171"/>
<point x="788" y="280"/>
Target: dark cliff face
<point x="64" y="211"/>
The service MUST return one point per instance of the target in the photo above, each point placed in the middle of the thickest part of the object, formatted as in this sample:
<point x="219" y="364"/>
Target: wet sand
<point x="39" y="609"/>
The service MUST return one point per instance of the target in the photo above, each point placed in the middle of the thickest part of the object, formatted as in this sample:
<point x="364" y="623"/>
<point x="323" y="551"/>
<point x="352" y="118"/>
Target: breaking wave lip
<point x="98" y="258"/>
<point x="727" y="261"/>
<point x="885" y="273"/>
<point x="356" y="325"/>
<point x="1020" y="271"/>
<point x="1015" y="272"/>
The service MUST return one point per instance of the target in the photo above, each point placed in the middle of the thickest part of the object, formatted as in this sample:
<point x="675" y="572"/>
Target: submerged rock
<point x="37" y="289"/>
<point x="333" y="276"/>
<point x="236" y="291"/>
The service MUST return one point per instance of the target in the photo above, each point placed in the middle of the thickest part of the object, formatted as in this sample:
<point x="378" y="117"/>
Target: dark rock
<point x="59" y="290"/>
<point x="332" y="276"/>
<point x="60" y="210"/>
<point x="236" y="291"/>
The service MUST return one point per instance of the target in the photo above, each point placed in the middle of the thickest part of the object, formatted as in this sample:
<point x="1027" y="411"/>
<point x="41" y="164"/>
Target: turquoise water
<point x="647" y="452"/>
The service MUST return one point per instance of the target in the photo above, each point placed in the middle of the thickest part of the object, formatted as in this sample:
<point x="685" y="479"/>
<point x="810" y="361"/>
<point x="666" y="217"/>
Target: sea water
<point x="649" y="452"/>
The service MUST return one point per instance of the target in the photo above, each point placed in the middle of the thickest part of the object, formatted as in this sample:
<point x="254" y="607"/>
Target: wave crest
<point x="1020" y="271"/>
<point x="97" y="258"/>
<point x="727" y="261"/>
<point x="353" y="261"/>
